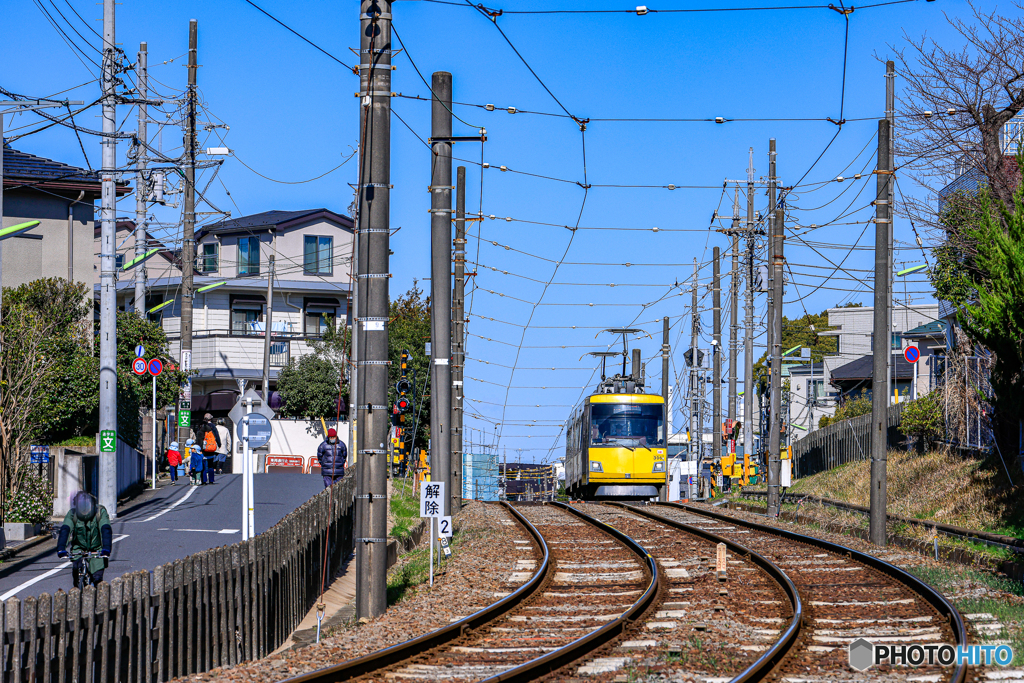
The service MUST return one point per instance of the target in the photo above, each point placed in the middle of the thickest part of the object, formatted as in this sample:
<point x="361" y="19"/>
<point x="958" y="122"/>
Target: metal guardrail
<point x="997" y="540"/>
<point x="932" y="596"/>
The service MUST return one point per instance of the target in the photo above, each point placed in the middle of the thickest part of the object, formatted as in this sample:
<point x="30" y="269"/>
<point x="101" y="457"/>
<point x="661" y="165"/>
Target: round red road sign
<point x="139" y="366"/>
<point x="155" y="367"/>
<point x="911" y="354"/>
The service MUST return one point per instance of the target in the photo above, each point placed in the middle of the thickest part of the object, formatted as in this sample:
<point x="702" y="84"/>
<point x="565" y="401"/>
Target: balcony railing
<point x="224" y="348"/>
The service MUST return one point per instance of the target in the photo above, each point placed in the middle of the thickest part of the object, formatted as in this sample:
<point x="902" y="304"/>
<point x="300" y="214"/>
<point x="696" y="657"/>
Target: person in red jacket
<point x="173" y="461"/>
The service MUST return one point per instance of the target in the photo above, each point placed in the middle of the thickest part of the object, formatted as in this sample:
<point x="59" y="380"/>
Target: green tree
<point x="853" y="407"/>
<point x="804" y="332"/>
<point x="309" y="386"/>
<point x="409" y="329"/>
<point x="996" y="318"/>
<point x="923" y="418"/>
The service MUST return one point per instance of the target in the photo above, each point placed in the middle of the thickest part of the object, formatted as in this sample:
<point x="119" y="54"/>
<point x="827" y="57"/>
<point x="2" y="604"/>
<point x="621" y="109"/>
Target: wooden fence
<point x="215" y="608"/>
<point x="842" y="442"/>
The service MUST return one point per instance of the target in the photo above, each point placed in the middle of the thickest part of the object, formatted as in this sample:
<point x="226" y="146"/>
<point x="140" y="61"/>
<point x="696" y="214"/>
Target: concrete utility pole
<point x="141" y="186"/>
<point x="458" y="335"/>
<point x="695" y="436"/>
<point x="775" y="253"/>
<point x="372" y="318"/>
<point x="879" y="386"/>
<point x="716" y="354"/>
<point x="890" y="116"/>
<point x="268" y="330"/>
<point x="108" y="292"/>
<point x="665" y="349"/>
<point x="440" y="281"/>
<point x="734" y="313"/>
<point x="188" y="237"/>
<point x="748" y="333"/>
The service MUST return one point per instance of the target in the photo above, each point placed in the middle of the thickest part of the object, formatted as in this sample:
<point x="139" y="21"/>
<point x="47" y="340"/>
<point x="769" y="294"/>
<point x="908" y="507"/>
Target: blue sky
<point x="292" y="116"/>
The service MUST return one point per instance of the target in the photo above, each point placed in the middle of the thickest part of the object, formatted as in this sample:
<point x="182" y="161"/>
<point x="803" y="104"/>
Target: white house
<point x="312" y="254"/>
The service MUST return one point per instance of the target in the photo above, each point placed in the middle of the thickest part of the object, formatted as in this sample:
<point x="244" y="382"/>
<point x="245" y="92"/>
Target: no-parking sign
<point x="139" y="366"/>
<point x="155" y="367"/>
<point x="911" y="354"/>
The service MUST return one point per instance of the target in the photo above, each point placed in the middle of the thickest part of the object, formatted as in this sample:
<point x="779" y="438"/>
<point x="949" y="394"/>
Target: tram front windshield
<point x="631" y="425"/>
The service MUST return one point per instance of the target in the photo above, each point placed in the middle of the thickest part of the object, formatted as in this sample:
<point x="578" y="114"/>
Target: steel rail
<point x="551" y="662"/>
<point x="763" y="665"/>
<point x="389" y="656"/>
<point x="932" y="596"/>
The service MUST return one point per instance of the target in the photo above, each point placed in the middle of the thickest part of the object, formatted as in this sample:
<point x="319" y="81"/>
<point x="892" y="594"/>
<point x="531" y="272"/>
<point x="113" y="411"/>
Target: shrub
<point x="33" y="501"/>
<point x="852" y="408"/>
<point x="923" y="418"/>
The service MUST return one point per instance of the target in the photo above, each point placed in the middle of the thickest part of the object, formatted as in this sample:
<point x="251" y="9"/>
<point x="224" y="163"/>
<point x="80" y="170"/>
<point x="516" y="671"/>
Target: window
<point x="209" y="261"/>
<point x="318" y="314"/>
<point x="818" y="388"/>
<point x="897" y="342"/>
<point x="624" y="424"/>
<point x="248" y="255"/>
<point x="318" y="255"/>
<point x="247" y="315"/>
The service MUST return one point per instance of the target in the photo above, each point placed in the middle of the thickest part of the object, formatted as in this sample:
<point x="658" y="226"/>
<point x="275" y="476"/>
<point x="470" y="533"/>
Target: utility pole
<point x="267" y="330"/>
<point x="108" y="292"/>
<point x="188" y="238"/>
<point x="458" y="336"/>
<point x="372" y="318"/>
<point x="748" y="341"/>
<point x="890" y="116"/>
<point x="716" y="355"/>
<point x="695" y="437"/>
<point x="440" y="281"/>
<point x="665" y="348"/>
<point x="879" y="386"/>
<point x="141" y="186"/>
<point x="734" y="313"/>
<point x="775" y="261"/>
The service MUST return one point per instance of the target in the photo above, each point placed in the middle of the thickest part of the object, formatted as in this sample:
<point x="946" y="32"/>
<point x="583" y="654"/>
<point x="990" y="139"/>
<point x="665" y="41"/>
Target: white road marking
<point x="59" y="568"/>
<point x="170" y="507"/>
<point x="207" y="531"/>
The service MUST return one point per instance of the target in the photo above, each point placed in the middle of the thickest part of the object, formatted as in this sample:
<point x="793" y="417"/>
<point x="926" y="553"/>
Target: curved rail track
<point x="590" y="583"/>
<point x="615" y="586"/>
<point x="847" y="595"/>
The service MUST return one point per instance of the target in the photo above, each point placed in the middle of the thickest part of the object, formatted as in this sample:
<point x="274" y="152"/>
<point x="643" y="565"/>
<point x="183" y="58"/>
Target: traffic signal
<point x="404" y="405"/>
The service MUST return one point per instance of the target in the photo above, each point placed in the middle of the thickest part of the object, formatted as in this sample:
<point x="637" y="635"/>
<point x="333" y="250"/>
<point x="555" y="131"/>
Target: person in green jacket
<point x="87" y="527"/>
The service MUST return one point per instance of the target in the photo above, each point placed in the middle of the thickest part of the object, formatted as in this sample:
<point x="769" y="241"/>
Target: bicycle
<point x="85" y="575"/>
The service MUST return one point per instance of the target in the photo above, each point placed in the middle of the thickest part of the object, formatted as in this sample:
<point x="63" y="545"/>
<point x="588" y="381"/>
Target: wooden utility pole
<point x="188" y="237"/>
<point x="775" y="262"/>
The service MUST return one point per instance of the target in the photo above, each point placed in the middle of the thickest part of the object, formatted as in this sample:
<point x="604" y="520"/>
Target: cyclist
<point x="87" y="526"/>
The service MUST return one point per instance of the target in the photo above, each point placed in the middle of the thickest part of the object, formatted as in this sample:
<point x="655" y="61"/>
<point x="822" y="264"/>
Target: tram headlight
<point x="595" y="466"/>
<point x="659" y="467"/>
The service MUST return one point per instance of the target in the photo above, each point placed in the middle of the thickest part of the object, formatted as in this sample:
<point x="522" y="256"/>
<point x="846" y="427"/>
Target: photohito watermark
<point x="864" y="654"/>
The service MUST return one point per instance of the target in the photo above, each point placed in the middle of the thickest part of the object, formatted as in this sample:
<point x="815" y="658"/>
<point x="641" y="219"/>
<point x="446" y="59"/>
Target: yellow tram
<point x="615" y="443"/>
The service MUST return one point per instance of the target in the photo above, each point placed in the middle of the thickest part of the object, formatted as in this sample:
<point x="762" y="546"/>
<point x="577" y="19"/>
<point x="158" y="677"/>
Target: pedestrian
<point x="209" y="443"/>
<point x="224" y="449"/>
<point x="195" y="462"/>
<point x="87" y="527"/>
<point x="332" y="456"/>
<point x="173" y="461"/>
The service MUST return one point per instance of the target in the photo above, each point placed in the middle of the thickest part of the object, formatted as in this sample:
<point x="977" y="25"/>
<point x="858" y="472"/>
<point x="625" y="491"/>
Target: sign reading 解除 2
<point x="431" y="499"/>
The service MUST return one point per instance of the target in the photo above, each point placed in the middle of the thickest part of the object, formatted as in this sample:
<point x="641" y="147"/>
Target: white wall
<point x="301" y="437"/>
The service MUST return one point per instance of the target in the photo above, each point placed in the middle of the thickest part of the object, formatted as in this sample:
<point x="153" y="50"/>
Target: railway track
<point x="583" y="584"/>
<point x="846" y="595"/>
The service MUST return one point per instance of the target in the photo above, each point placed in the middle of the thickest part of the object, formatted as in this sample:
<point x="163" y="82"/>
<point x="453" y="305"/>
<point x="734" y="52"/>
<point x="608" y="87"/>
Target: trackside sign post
<point x="431" y="506"/>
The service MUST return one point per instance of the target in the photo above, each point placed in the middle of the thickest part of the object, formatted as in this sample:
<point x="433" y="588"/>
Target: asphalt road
<point x="174" y="522"/>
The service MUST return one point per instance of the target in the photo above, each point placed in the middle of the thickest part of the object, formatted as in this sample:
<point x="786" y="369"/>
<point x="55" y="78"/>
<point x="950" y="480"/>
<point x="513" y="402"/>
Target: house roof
<point x="861" y="369"/>
<point x="279" y="220"/>
<point x="936" y="328"/>
<point x="807" y="369"/>
<point x="22" y="169"/>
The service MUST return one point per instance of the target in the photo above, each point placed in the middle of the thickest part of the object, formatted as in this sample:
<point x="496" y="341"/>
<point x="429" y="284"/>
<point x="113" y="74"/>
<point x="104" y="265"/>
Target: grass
<point x="941" y="486"/>
<point x="1010" y="613"/>
<point x="413" y="569"/>
<point x="405" y="509"/>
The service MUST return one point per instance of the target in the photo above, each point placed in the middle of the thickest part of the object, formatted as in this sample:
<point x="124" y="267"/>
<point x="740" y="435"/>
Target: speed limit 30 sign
<point x="139" y="366"/>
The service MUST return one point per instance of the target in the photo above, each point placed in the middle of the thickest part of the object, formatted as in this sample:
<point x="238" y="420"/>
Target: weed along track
<point x="846" y="595"/>
<point x="575" y="588"/>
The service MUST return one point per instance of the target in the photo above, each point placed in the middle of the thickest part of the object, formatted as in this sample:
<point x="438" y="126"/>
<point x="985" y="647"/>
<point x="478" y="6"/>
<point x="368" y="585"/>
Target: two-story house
<point x="312" y="256"/>
<point x="60" y="197"/>
<point x="817" y="389"/>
